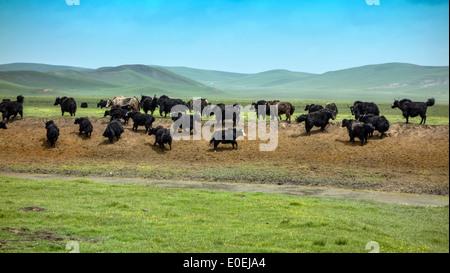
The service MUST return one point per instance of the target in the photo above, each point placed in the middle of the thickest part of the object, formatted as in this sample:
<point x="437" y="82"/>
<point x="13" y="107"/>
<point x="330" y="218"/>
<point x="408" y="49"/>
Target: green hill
<point x="270" y="78"/>
<point x="35" y="79"/>
<point x="127" y="80"/>
<point x="38" y="67"/>
<point x="208" y="77"/>
<point x="380" y="82"/>
<point x="383" y="76"/>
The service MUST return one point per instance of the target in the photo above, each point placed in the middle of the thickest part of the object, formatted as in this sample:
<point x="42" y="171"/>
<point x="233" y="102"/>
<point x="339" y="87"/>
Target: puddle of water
<point x="387" y="197"/>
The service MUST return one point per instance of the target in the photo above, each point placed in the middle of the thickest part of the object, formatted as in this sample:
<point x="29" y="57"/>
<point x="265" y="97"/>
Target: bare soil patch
<point x="32" y="209"/>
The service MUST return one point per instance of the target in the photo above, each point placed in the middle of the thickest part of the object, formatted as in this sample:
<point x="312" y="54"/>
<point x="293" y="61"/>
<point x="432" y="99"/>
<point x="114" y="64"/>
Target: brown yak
<point x="131" y="103"/>
<point x="284" y="108"/>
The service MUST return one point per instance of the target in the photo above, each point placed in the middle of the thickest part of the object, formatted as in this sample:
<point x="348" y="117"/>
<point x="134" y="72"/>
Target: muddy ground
<point x="412" y="158"/>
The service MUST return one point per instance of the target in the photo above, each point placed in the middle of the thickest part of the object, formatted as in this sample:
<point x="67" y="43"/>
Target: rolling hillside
<point x="38" y="67"/>
<point x="381" y="82"/>
<point x="128" y="80"/>
<point x="208" y="77"/>
<point x="270" y="78"/>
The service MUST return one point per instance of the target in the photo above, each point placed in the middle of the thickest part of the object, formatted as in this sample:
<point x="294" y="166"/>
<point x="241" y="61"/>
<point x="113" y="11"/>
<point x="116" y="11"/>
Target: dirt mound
<point x="410" y="152"/>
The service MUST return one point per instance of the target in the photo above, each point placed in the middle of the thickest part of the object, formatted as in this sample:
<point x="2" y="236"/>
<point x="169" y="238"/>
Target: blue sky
<point x="245" y="36"/>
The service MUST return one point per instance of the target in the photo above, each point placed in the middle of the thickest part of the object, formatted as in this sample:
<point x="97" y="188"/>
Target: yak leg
<point x="424" y="119"/>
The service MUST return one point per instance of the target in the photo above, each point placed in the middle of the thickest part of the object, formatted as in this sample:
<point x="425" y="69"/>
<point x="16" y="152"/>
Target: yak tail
<point x="301" y="118"/>
<point x="292" y="109"/>
<point x="430" y="102"/>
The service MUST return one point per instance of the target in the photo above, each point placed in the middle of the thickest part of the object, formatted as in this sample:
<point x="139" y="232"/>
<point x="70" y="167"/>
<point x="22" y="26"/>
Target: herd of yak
<point x="367" y="116"/>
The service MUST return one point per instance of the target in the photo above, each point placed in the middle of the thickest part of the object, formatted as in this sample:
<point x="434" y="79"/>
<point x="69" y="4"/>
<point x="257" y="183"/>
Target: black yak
<point x="114" y="129"/>
<point x="118" y="113"/>
<point x="166" y="104"/>
<point x="162" y="136"/>
<point x="3" y="125"/>
<point x="414" y="109"/>
<point x="149" y="104"/>
<point x="313" y="107"/>
<point x="140" y="119"/>
<point x="224" y="112"/>
<point x="12" y="108"/>
<point x="67" y="105"/>
<point x="380" y="123"/>
<point x="226" y="136"/>
<point x="52" y="132"/>
<point x="101" y="104"/>
<point x="332" y="106"/>
<point x="358" y="129"/>
<point x="256" y="105"/>
<point x="187" y="119"/>
<point x="360" y="108"/>
<point x="85" y="126"/>
<point x="319" y="118"/>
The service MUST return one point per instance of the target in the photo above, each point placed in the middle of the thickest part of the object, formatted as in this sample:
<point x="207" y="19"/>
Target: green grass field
<point x="137" y="218"/>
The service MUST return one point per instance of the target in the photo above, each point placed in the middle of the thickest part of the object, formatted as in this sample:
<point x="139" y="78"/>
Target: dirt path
<point x="413" y="158"/>
<point x="386" y="197"/>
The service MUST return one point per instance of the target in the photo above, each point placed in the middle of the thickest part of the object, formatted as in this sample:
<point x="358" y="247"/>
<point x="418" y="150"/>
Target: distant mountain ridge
<point x="38" y="67"/>
<point x="369" y="82"/>
<point x="110" y="81"/>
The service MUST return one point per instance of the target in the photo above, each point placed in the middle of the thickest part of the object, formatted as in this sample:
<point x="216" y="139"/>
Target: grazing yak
<point x="162" y="136"/>
<point x="118" y="113"/>
<point x="198" y="105"/>
<point x="189" y="119"/>
<point x="256" y="105"/>
<point x="67" y="105"/>
<point x="101" y="104"/>
<point x="149" y="104"/>
<point x="12" y="108"/>
<point x="284" y="108"/>
<point x="85" y="126"/>
<point x="166" y="104"/>
<point x="313" y="107"/>
<point x="130" y="103"/>
<point x="140" y="119"/>
<point x="224" y="112"/>
<point x="52" y="132"/>
<point x="360" y="108"/>
<point x="3" y="125"/>
<point x="358" y="129"/>
<point x="114" y="129"/>
<point x="84" y="105"/>
<point x="332" y="106"/>
<point x="413" y="109"/>
<point x="380" y="123"/>
<point x="319" y="118"/>
<point x="226" y="137"/>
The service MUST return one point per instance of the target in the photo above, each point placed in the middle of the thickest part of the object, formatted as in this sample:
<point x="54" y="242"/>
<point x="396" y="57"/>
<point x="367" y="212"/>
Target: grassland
<point x="137" y="218"/>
